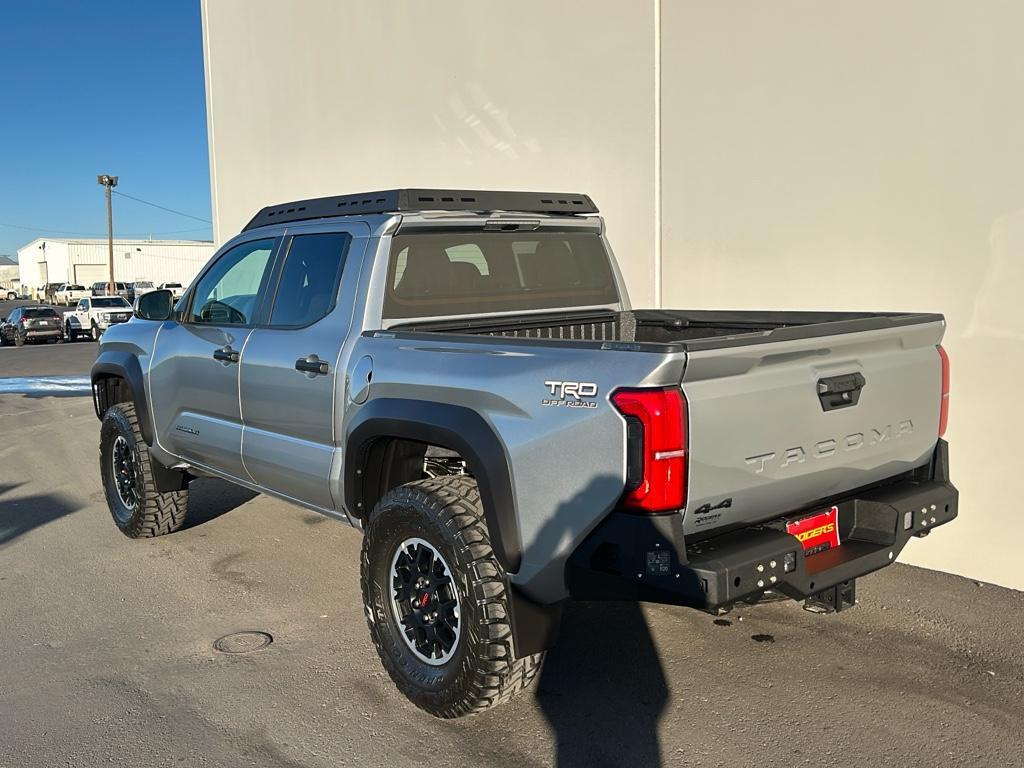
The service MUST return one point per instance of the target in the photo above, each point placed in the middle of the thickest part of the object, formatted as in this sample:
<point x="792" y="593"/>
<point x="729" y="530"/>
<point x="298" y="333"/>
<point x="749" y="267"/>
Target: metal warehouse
<point x="55" y="260"/>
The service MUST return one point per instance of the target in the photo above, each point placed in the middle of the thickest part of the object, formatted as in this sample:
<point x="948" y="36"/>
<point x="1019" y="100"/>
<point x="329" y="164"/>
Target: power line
<point x="161" y="207"/>
<point x="59" y="232"/>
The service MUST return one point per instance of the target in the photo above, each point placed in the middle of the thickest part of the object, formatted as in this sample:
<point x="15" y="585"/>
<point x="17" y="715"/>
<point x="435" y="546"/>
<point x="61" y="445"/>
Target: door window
<point x="309" y="281"/>
<point x="228" y="293"/>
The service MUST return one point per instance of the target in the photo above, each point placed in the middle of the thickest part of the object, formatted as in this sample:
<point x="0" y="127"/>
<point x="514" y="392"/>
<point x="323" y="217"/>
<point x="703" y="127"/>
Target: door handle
<point x="312" y="364"/>
<point x="226" y="355"/>
<point x="840" y="391"/>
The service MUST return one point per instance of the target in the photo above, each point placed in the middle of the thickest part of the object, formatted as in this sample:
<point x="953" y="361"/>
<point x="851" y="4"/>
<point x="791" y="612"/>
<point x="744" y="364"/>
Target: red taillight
<point x="661" y="413"/>
<point x="944" y="408"/>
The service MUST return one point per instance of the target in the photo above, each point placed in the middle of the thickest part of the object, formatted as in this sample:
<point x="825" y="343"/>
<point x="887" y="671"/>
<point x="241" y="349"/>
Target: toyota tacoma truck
<point x="460" y="375"/>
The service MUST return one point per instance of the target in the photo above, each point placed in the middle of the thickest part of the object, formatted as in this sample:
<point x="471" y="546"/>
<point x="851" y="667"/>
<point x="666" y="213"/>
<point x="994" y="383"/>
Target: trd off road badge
<point x="571" y="394"/>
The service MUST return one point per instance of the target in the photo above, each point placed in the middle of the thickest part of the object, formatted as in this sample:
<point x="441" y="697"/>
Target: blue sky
<point x="101" y="87"/>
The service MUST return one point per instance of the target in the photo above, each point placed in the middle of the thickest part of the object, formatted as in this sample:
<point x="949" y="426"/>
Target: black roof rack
<point x="398" y="200"/>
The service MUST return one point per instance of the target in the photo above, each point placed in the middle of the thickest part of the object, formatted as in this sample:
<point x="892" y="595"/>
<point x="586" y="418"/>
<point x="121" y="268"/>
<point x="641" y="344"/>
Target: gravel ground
<point x="107" y="657"/>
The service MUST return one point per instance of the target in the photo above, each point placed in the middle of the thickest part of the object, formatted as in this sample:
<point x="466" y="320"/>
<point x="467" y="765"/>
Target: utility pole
<point x="109" y="182"/>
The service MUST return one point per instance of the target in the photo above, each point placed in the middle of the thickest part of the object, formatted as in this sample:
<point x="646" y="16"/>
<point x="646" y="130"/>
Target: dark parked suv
<point x="30" y="324"/>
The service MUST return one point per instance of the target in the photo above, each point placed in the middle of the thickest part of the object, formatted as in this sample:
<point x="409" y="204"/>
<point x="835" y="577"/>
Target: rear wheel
<point x="138" y="509"/>
<point x="436" y="601"/>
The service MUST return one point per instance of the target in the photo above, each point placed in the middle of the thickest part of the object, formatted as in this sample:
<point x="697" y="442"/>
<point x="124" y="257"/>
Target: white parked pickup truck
<point x="69" y="294"/>
<point x="176" y="289"/>
<point x="94" y="314"/>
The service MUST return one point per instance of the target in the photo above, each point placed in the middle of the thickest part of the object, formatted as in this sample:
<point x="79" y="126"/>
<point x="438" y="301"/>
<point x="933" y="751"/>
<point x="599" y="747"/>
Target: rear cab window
<point x="458" y="273"/>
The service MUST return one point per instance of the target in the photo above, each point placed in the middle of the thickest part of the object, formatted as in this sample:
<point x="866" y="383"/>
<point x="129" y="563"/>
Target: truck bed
<point x="765" y="437"/>
<point x="689" y="330"/>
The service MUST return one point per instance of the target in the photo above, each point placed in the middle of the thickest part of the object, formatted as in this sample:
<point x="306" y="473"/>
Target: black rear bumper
<point x="637" y="557"/>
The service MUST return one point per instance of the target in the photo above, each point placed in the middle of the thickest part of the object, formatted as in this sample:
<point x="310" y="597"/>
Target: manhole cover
<point x="243" y="642"/>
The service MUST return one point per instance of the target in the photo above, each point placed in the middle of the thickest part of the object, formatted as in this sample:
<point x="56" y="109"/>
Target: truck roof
<point x="420" y="200"/>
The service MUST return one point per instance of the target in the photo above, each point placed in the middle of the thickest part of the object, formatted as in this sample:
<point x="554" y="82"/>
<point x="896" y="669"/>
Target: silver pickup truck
<point x="460" y="375"/>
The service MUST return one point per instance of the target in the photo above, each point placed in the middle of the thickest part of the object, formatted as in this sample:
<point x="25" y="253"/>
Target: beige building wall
<point x="331" y="97"/>
<point x="793" y="154"/>
<point x="865" y="156"/>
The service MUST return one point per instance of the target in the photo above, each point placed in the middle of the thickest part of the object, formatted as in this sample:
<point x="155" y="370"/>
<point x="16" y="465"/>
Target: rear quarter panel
<point x="567" y="464"/>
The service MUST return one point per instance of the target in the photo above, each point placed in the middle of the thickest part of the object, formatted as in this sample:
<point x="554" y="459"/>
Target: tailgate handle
<point x="840" y="391"/>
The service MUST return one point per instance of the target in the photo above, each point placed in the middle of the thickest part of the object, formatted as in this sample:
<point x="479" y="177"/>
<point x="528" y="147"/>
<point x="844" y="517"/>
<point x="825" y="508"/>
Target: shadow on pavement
<point x="19" y="516"/>
<point x="209" y="498"/>
<point x="602" y="688"/>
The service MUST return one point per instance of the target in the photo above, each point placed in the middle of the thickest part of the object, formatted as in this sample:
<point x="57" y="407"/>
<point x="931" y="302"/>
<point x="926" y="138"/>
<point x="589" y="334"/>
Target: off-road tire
<point x="447" y="513"/>
<point x="154" y="514"/>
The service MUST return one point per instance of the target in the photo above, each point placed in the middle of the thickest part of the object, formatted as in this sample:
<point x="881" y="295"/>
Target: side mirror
<point x="155" y="305"/>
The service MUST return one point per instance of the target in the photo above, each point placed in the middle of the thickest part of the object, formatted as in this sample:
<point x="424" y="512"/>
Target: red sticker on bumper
<point x="817" y="532"/>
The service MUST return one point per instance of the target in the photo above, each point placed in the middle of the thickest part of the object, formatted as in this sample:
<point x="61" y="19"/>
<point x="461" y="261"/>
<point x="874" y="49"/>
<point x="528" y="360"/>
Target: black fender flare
<point x="450" y="426"/>
<point x="115" y="363"/>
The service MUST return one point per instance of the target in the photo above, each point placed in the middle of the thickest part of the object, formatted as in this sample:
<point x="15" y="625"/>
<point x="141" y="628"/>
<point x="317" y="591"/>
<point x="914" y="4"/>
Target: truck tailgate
<point x="765" y="440"/>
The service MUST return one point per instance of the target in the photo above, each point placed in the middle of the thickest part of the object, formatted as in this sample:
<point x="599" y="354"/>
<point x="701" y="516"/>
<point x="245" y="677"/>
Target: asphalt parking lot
<point x="107" y="646"/>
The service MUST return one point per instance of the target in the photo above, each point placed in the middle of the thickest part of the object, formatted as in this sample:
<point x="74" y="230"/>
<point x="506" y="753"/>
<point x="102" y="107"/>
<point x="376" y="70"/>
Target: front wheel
<point x="138" y="509"/>
<point x="95" y="332"/>
<point x="436" y="600"/>
<point x="19" y="340"/>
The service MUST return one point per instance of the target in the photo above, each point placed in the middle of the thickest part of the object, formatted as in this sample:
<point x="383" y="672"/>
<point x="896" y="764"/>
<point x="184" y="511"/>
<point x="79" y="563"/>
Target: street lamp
<point x="109" y="182"/>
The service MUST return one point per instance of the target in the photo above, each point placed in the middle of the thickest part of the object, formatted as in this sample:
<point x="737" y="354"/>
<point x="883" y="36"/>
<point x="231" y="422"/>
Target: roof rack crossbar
<point x="400" y="200"/>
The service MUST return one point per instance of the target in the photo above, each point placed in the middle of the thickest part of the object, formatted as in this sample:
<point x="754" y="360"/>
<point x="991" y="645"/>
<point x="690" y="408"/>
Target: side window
<point x="228" y="293"/>
<point x="310" y="278"/>
<point x="83" y="305"/>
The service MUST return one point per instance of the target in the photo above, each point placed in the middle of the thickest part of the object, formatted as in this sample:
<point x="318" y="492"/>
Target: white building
<point x="849" y="156"/>
<point x="9" y="274"/>
<point x="59" y="260"/>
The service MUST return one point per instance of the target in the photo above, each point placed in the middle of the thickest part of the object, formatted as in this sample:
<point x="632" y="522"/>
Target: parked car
<point x="29" y="324"/>
<point x="48" y="292"/>
<point x="139" y="288"/>
<point x="474" y="393"/>
<point x="100" y="289"/>
<point x="176" y="289"/>
<point x="69" y="294"/>
<point x="94" y="315"/>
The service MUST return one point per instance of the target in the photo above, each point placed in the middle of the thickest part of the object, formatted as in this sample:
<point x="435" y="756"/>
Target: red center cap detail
<point x="424" y="600"/>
